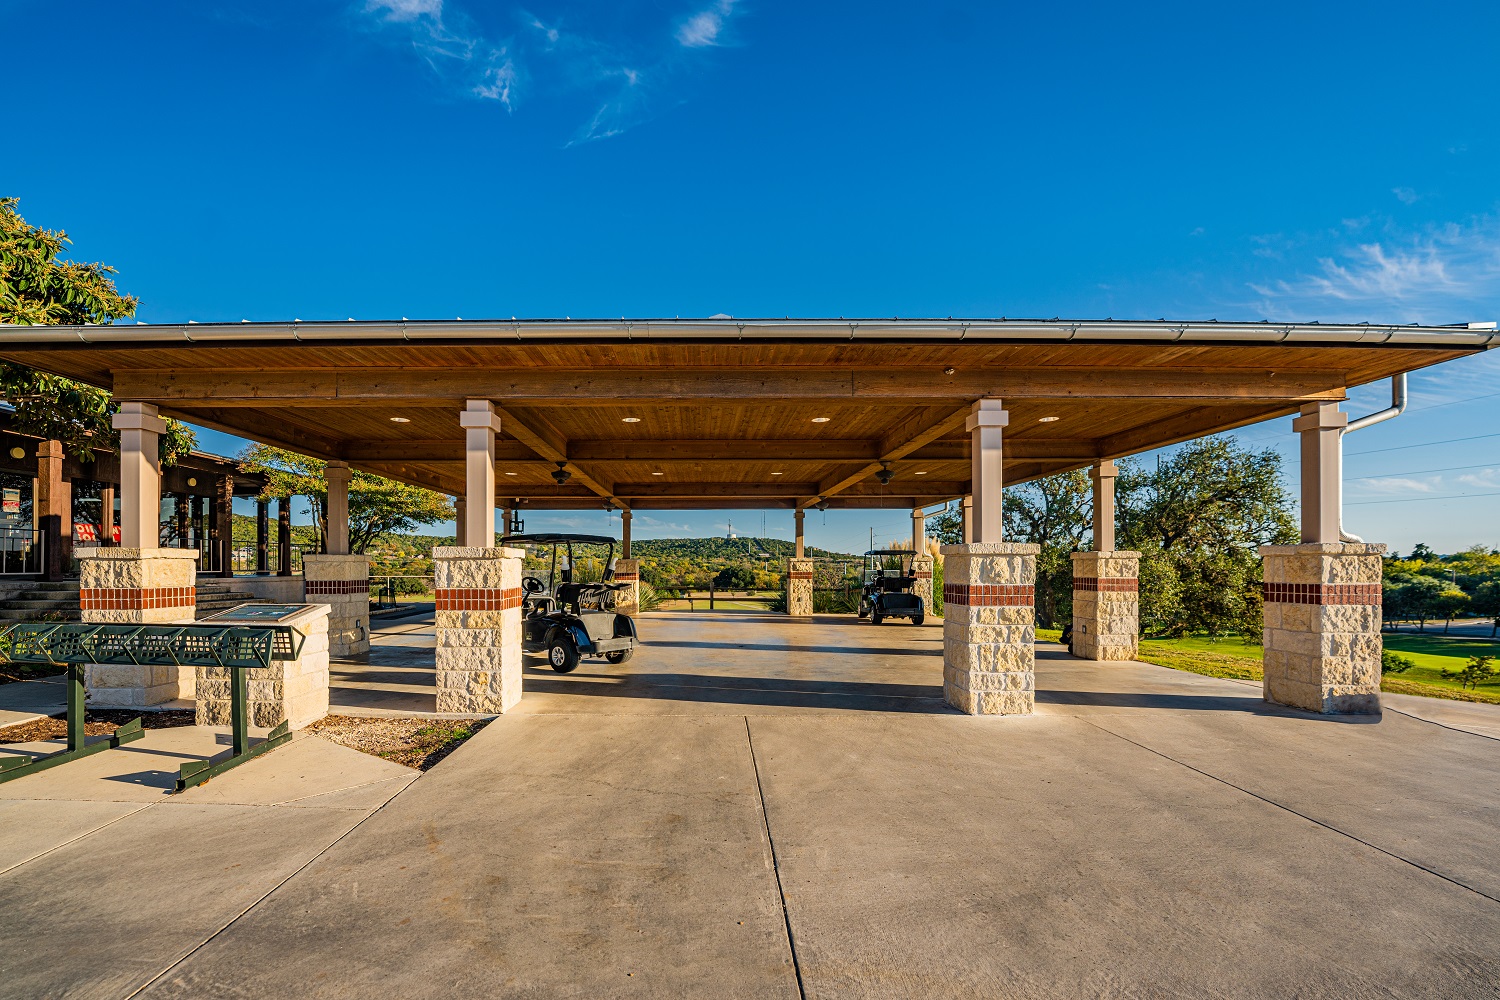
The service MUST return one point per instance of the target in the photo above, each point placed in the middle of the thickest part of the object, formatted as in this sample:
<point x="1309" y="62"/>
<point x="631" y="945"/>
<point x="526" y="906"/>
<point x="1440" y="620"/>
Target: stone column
<point x="985" y="426"/>
<point x="799" y="550"/>
<point x="137" y="586"/>
<point x="989" y="627"/>
<point x="53" y="501"/>
<point x="478" y="628"/>
<point x="336" y="476"/>
<point x="262" y="538"/>
<point x="480" y="426"/>
<point x="799" y="587"/>
<point x="922" y="566"/>
<point x="1322" y="626"/>
<point x="224" y="525"/>
<point x="628" y="572"/>
<point x="1106" y="605"/>
<point x="343" y="583"/>
<point x="291" y="690"/>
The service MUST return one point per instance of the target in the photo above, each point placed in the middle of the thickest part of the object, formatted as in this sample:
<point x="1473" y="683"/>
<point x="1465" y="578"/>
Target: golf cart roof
<point x="555" y="538"/>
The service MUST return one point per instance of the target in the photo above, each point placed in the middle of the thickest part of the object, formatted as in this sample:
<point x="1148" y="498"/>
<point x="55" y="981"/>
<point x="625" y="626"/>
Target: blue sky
<point x="434" y="158"/>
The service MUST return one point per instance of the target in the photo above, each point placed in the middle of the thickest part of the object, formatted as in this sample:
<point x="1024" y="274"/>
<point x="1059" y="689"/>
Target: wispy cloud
<point x="511" y="56"/>
<point x="704" y="28"/>
<point x="1445" y="274"/>
<point x="1406" y="196"/>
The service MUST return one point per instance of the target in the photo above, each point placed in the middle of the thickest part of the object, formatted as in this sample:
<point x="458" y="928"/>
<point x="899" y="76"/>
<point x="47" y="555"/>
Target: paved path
<point x="759" y="808"/>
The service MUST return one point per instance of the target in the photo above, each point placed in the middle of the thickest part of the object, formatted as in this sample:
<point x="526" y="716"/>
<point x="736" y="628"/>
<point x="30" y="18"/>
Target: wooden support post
<point x="800" y="549"/>
<point x="140" y="475"/>
<point x="1321" y="425"/>
<point x="224" y="526"/>
<point x="262" y="538"/>
<point x="337" y="476"/>
<point x="480" y="424"/>
<point x="918" y="530"/>
<point x="967" y="514"/>
<point x="54" y="505"/>
<point x="107" y="515"/>
<point x="284" y="536"/>
<point x="985" y="425"/>
<point x="624" y="533"/>
<point x="1103" y="476"/>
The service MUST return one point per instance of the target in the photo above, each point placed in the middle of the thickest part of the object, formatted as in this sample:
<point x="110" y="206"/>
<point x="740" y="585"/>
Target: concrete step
<point x="39" y="605"/>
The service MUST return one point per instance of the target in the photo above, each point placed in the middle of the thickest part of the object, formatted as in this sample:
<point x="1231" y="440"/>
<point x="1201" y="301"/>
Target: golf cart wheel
<point x="562" y="655"/>
<point x="875" y="617"/>
<point x="864" y="612"/>
<point x="918" y="619"/>
<point x="619" y="655"/>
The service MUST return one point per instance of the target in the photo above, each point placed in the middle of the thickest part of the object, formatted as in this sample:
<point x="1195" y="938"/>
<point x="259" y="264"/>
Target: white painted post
<point x="985" y="425"/>
<point x="337" y="476"/>
<point x="918" y="530"/>
<point x="800" y="551"/>
<point x="480" y="424"/>
<point x="1321" y="425"/>
<point x="1103" y="476"/>
<point x="140" y="475"/>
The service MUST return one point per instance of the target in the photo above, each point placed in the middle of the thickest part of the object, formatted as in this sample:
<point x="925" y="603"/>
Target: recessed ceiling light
<point x="510" y="473"/>
<point x="631" y="420"/>
<point x="919" y="473"/>
<point x="658" y="473"/>
<point x="1048" y="420"/>
<point x="821" y="420"/>
<point x="775" y="473"/>
<point x="400" y="420"/>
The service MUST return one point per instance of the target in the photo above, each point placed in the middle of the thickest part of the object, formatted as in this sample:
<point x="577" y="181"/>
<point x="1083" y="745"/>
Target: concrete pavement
<point x="754" y="807"/>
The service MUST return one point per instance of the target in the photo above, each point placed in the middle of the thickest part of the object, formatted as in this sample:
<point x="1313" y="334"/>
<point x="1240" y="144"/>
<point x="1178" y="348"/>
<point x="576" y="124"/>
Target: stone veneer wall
<point x="628" y="572"/>
<point x="478" y="629"/>
<point x="922" y="566"/>
<point x="799" y="587"/>
<point x="343" y="583"/>
<point x="989" y="627"/>
<point x="137" y="587"/>
<point x="295" y="690"/>
<point x="1322" y="626"/>
<point x="1106" y="605"/>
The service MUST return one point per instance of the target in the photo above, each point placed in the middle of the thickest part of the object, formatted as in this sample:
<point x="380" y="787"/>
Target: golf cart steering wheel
<point x="532" y="585"/>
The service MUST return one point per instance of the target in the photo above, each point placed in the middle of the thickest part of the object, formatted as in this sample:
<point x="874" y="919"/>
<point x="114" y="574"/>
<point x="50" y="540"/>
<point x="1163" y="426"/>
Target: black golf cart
<point x="890" y="587"/>
<point x="567" y="603"/>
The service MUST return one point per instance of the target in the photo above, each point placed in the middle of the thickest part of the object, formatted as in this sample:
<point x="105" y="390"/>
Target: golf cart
<point x="889" y="587"/>
<point x="567" y="603"/>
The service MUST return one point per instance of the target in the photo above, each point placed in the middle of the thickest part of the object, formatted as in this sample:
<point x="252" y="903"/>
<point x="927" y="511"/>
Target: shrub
<point x="1394" y="663"/>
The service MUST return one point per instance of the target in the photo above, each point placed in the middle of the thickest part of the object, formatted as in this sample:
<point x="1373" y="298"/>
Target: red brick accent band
<point x="1107" y="584"/>
<point x="337" y="587"/>
<point x="989" y="595"/>
<point x="1321" y="593"/>
<point x="136" y="598"/>
<point x="800" y="576"/>
<point x="455" y="599"/>
<point x="923" y="576"/>
<point x="627" y="577"/>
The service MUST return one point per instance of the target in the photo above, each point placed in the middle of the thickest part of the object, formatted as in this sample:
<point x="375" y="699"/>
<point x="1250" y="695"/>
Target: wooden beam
<point x="541" y="437"/>
<point x="429" y="451"/>
<point x="707" y="452"/>
<point x="262" y="429"/>
<point x="1197" y="422"/>
<point x="899" y="442"/>
<point x="614" y="386"/>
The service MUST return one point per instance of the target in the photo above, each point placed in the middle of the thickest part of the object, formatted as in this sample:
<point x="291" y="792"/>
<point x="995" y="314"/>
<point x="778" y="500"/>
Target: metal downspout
<point x="1397" y="407"/>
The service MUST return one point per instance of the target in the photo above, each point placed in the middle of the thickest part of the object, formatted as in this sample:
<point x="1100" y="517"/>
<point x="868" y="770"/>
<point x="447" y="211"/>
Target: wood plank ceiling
<point x="684" y="424"/>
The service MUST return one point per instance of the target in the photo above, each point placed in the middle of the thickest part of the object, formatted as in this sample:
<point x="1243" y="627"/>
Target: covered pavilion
<point x="643" y="414"/>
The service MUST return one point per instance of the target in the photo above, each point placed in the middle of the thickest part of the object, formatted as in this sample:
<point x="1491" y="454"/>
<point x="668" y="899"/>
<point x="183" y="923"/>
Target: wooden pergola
<point x="726" y="413"/>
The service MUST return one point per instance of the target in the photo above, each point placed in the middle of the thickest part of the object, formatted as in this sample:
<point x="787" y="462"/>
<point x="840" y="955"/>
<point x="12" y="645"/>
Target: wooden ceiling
<point x="775" y="421"/>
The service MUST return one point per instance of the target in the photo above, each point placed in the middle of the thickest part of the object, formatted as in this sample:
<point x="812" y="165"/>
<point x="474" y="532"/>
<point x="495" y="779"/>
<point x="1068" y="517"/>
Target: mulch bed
<point x="416" y="743"/>
<point x="96" y="723"/>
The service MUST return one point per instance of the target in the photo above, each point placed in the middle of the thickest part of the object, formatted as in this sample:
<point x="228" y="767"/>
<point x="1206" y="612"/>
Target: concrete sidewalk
<point x="754" y="807"/>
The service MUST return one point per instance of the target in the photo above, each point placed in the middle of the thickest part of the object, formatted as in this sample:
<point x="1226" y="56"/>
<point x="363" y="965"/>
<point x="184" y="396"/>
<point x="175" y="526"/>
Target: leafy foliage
<point x="37" y="288"/>
<point x="1392" y="662"/>
<point x="1055" y="513"/>
<point x="377" y="506"/>
<point x="1477" y="671"/>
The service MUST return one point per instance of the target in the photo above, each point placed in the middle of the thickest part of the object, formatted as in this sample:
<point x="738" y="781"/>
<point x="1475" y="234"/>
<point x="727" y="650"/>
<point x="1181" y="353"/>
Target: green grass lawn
<point x="1238" y="659"/>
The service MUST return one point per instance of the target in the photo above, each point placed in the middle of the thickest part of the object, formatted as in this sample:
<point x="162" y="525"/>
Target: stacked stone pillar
<point x="294" y="691"/>
<point x="922" y="566"/>
<point x="1322" y="626"/>
<point x="343" y="583"/>
<point x="478" y="628"/>
<point x="989" y="627"/>
<point x="1106" y="605"/>
<point x="137" y="587"/>
<point x="799" y="587"/>
<point x="628" y="572"/>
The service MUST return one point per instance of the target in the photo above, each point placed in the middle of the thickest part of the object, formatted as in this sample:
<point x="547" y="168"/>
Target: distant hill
<point x="723" y="549"/>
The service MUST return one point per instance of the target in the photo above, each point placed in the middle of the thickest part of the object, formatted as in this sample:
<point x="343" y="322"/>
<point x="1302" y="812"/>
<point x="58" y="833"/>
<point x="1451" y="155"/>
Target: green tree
<point x="1054" y="512"/>
<point x="1486" y="601"/>
<point x="1474" y="673"/>
<point x="39" y="288"/>
<point x="377" y="506"/>
<point x="1422" y="599"/>
<point x="1451" y="601"/>
<point x="1198" y="518"/>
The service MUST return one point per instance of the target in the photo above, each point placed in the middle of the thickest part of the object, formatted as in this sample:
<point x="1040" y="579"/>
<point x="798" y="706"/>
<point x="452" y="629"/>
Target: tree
<point x="1450" y="601"/>
<point x="1198" y="518"/>
<point x="38" y="288"/>
<point x="1486" y="602"/>
<point x="1054" y="512"/>
<point x="947" y="526"/>
<point x="377" y="506"/>
<point x="1474" y="673"/>
<point x="1422" y="599"/>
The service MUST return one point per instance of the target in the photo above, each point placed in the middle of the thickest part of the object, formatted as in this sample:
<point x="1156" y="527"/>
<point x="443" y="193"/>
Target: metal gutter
<point x="1478" y="336"/>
